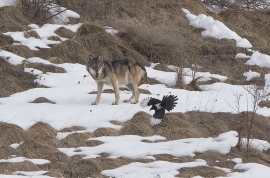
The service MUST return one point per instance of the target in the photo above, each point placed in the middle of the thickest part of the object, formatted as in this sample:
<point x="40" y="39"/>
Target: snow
<point x="70" y="92"/>
<point x="22" y="159"/>
<point x="123" y="146"/>
<point x="215" y="28"/>
<point x="250" y="75"/>
<point x="259" y="59"/>
<point x="241" y="56"/>
<point x="153" y="169"/>
<point x="8" y="3"/>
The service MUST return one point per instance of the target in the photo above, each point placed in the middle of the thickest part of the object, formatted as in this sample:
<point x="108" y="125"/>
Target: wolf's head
<point x="95" y="66"/>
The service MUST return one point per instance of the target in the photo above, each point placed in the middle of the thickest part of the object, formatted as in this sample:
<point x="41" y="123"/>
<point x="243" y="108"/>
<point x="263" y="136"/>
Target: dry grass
<point x="70" y="51"/>
<point x="64" y="32"/>
<point x="42" y="100"/>
<point x="20" y="50"/>
<point x="31" y="33"/>
<point x="156" y="31"/>
<point x="5" y="40"/>
<point x="12" y="20"/>
<point x="14" y="79"/>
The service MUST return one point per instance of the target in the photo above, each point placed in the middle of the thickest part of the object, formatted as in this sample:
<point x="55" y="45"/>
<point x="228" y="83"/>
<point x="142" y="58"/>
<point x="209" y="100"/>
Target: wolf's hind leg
<point x="131" y="88"/>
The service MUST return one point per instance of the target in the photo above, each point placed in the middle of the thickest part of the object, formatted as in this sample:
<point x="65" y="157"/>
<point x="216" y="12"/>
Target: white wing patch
<point x="144" y="102"/>
<point x="154" y="121"/>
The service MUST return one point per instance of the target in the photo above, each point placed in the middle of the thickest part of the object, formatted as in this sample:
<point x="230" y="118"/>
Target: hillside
<point x="216" y="63"/>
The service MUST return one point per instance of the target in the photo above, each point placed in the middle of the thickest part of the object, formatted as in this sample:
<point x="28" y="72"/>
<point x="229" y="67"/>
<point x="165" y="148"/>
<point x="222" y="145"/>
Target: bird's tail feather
<point x="170" y="102"/>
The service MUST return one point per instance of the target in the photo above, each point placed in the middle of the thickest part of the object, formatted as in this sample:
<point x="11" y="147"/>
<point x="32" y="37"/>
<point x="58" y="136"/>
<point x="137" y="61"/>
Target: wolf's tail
<point x="143" y="75"/>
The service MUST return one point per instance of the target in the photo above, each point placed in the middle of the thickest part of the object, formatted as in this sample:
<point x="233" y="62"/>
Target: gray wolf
<point x="116" y="73"/>
<point x="167" y="102"/>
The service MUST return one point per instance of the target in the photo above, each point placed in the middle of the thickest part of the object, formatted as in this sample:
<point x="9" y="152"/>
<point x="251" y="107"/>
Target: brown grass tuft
<point x="56" y="60"/>
<point x="5" y="40"/>
<point x="20" y="50"/>
<point x="12" y="20"/>
<point x="42" y="100"/>
<point x="43" y="131"/>
<point x="54" y="38"/>
<point x="31" y="33"/>
<point x="74" y="140"/>
<point x="9" y="168"/>
<point x="64" y="32"/>
<point x="70" y="51"/>
<point x="11" y="133"/>
<point x="138" y="125"/>
<point x="105" y="132"/>
<point x="46" y="68"/>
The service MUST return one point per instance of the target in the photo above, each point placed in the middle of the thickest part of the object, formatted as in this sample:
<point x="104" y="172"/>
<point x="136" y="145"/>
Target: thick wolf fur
<point x="116" y="73"/>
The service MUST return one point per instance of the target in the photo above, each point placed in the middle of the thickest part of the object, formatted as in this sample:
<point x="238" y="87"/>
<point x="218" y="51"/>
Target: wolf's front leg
<point x="116" y="91"/>
<point x="99" y="91"/>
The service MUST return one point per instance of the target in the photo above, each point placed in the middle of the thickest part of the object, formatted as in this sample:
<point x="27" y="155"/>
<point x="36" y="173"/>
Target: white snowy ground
<point x="73" y="107"/>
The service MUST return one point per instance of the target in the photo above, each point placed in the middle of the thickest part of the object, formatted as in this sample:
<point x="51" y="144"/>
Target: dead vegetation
<point x="40" y="141"/>
<point x="156" y="31"/>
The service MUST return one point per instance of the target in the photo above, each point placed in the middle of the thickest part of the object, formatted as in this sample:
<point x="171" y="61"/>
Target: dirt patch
<point x="64" y="32"/>
<point x="42" y="100"/>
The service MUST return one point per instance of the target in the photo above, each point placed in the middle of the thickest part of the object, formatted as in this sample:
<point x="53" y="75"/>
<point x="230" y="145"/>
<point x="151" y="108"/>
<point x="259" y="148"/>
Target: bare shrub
<point x="40" y="11"/>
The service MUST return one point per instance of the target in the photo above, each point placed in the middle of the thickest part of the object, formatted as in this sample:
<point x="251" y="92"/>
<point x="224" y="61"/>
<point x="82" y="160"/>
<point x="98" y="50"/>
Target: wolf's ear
<point x="100" y="57"/>
<point x="90" y="57"/>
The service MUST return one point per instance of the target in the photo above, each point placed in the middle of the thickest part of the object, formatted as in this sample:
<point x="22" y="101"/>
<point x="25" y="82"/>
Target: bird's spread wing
<point x="159" y="113"/>
<point x="149" y="101"/>
<point x="169" y="102"/>
<point x="144" y="102"/>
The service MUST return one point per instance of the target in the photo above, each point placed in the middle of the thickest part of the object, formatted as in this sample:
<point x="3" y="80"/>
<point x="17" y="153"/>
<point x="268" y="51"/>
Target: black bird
<point x="168" y="102"/>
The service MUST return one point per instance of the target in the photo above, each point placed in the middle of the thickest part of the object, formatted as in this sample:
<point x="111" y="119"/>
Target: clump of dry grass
<point x="9" y="168"/>
<point x="70" y="51"/>
<point x="138" y="125"/>
<point x="74" y="140"/>
<point x="64" y="32"/>
<point x="11" y="134"/>
<point x="12" y="20"/>
<point x="20" y="50"/>
<point x="5" y="40"/>
<point x="42" y="100"/>
<point x="46" y="68"/>
<point x="54" y="38"/>
<point x="31" y="33"/>
<point x="42" y="130"/>
<point x="105" y="132"/>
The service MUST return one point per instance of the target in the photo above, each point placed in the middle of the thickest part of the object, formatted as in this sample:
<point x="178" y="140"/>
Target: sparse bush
<point x="40" y="11"/>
